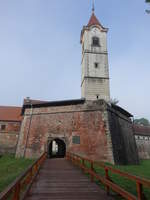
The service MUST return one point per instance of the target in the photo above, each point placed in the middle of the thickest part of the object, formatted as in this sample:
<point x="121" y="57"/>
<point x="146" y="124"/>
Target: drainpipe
<point x="31" y="112"/>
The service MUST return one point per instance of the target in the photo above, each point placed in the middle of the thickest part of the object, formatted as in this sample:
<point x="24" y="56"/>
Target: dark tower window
<point x="95" y="41"/>
<point x="96" y="65"/>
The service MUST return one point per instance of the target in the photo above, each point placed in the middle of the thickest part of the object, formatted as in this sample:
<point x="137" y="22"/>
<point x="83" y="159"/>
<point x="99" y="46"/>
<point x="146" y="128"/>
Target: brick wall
<point x="87" y="121"/>
<point x="9" y="136"/>
<point x="105" y="133"/>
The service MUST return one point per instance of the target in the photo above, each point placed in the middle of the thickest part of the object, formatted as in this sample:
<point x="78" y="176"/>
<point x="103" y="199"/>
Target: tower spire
<point x="93" y="7"/>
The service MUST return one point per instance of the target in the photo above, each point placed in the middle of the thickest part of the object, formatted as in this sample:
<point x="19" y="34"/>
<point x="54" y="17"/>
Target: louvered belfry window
<point x="95" y="41"/>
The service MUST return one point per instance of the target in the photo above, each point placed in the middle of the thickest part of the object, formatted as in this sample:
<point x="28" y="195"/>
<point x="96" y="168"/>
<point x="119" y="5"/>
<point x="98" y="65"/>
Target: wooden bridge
<point x="60" y="179"/>
<point x="65" y="179"/>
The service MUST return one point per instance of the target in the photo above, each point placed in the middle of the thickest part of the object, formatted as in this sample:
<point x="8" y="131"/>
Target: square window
<point x="146" y="138"/>
<point x="76" y="139"/>
<point x="3" y="127"/>
<point x="96" y="65"/>
<point x="141" y="137"/>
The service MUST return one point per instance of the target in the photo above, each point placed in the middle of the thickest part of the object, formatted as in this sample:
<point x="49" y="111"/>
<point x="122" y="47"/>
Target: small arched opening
<point x="57" y="148"/>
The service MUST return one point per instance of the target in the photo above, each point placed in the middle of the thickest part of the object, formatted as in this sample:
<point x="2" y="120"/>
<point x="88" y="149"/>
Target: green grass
<point x="10" y="168"/>
<point x="142" y="170"/>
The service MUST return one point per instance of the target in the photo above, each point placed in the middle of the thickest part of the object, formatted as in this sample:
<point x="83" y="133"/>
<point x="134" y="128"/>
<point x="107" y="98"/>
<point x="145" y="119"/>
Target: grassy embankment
<point x="142" y="170"/>
<point x="10" y="168"/>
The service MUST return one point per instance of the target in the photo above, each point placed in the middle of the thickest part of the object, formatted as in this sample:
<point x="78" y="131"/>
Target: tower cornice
<point x="88" y="28"/>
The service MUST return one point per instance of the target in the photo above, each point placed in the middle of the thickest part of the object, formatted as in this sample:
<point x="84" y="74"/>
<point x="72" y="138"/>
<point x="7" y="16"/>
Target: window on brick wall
<point x="2" y="127"/>
<point x="141" y="137"/>
<point x="76" y="139"/>
<point x="146" y="138"/>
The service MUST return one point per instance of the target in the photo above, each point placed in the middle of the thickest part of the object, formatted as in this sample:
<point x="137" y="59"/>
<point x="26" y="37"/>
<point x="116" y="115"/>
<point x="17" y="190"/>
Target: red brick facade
<point x="10" y="122"/>
<point x="93" y="129"/>
<point x="9" y="137"/>
<point x="88" y="121"/>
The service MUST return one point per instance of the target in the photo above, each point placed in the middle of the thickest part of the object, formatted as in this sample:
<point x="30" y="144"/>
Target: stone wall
<point x="143" y="146"/>
<point x="95" y="80"/>
<point x="88" y="121"/>
<point x="123" y="141"/>
<point x="142" y="137"/>
<point x="96" y="88"/>
<point x="9" y="137"/>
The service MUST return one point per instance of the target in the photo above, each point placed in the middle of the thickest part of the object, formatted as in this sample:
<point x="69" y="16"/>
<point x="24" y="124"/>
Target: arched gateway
<point x="57" y="148"/>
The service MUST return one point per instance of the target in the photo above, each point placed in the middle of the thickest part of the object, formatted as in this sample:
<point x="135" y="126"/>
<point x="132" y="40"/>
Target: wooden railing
<point x="106" y="179"/>
<point x="19" y="188"/>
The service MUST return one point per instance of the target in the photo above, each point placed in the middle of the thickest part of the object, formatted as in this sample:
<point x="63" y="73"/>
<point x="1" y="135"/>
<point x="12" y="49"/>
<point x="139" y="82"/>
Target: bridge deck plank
<point x="59" y="179"/>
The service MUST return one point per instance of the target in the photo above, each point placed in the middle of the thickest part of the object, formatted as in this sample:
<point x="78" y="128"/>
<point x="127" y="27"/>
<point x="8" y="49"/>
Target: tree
<point x="114" y="101"/>
<point x="142" y="122"/>
<point x="147" y="1"/>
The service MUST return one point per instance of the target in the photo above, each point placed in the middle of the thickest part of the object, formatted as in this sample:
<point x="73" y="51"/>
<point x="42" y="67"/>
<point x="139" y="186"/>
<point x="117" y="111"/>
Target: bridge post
<point x="107" y="178"/>
<point x="17" y="192"/>
<point x="139" y="187"/>
<point x="92" y="169"/>
<point x="83" y="163"/>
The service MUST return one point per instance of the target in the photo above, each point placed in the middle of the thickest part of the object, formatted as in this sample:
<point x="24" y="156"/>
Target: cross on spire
<point x="93" y="7"/>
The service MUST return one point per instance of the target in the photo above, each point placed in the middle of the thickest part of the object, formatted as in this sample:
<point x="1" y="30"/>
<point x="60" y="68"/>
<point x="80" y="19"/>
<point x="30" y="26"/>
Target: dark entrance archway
<point x="57" y="148"/>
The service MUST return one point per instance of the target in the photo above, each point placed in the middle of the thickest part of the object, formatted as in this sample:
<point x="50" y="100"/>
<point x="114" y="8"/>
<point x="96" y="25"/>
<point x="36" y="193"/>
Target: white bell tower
<point x="95" y="70"/>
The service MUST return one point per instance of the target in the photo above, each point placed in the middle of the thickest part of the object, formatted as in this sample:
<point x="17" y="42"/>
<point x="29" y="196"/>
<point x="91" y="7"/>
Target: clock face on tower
<point x="95" y="30"/>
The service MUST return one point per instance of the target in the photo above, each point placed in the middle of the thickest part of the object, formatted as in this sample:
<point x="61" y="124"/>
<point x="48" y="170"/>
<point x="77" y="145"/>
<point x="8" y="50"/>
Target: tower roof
<point x="93" y="20"/>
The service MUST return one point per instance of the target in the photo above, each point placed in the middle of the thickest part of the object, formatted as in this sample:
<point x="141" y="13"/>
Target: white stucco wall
<point x="95" y="81"/>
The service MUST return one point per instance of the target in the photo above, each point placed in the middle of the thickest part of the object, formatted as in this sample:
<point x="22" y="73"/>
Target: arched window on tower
<point x="95" y="41"/>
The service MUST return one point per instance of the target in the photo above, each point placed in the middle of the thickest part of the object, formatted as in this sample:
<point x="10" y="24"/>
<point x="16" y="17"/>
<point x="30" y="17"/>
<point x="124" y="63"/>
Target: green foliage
<point x="114" y="101"/>
<point x="10" y="168"/>
<point x="142" y="121"/>
<point x="147" y="11"/>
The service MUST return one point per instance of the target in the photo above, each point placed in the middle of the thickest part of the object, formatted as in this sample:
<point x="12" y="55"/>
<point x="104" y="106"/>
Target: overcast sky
<point x="40" y="51"/>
